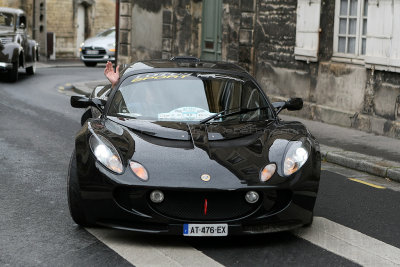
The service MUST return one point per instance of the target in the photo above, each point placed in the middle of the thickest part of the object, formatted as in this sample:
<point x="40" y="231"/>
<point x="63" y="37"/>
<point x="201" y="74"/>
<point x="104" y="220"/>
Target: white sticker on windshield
<point x="185" y="114"/>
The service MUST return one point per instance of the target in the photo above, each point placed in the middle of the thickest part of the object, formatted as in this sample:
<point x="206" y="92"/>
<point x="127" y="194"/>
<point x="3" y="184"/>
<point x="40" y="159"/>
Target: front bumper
<point x="98" y="58"/>
<point x="116" y="205"/>
<point x="5" y="66"/>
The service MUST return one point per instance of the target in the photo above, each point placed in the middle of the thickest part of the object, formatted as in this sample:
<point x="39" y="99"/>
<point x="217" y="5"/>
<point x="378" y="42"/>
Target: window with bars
<point x="350" y="38"/>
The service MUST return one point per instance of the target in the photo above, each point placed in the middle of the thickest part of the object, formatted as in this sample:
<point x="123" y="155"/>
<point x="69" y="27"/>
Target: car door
<point x="22" y="38"/>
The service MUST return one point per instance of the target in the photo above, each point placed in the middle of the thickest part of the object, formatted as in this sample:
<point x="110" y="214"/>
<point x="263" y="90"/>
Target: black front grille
<point x="97" y="50"/>
<point x="221" y="205"/>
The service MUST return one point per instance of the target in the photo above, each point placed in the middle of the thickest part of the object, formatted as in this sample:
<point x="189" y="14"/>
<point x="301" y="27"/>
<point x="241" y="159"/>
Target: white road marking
<point x="349" y="243"/>
<point x="150" y="250"/>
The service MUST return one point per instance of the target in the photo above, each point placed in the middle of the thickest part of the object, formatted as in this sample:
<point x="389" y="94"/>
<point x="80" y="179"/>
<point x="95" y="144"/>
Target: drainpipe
<point x="116" y="32"/>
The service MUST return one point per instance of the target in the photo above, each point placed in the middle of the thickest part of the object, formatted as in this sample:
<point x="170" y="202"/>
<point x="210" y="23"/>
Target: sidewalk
<point x="377" y="155"/>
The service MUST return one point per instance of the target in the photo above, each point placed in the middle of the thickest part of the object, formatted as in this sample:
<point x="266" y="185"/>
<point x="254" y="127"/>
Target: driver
<point x="144" y="104"/>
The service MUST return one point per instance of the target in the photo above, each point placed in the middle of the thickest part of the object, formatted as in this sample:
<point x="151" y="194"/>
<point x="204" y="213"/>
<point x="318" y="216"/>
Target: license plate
<point x="205" y="229"/>
<point x="92" y="52"/>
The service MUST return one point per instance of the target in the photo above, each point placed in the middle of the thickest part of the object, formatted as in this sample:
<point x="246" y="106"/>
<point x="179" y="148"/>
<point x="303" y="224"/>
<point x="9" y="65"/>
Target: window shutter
<point x="307" y="30"/>
<point x="383" y="35"/>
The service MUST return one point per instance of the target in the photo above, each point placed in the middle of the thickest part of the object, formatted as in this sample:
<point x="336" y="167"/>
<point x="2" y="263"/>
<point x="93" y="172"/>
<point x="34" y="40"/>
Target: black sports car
<point x="194" y="148"/>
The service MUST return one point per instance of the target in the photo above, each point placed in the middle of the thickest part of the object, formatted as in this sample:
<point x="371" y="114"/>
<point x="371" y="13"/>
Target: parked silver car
<point x="100" y="48"/>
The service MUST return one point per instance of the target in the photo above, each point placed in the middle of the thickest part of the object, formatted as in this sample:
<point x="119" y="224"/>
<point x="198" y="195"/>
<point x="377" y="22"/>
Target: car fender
<point x="11" y="52"/>
<point x="30" y="55"/>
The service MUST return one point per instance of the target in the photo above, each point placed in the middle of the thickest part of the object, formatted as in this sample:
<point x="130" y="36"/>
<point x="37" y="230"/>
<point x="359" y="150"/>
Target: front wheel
<point x="309" y="223"/>
<point x="32" y="69"/>
<point x="74" y="196"/>
<point x="13" y="74"/>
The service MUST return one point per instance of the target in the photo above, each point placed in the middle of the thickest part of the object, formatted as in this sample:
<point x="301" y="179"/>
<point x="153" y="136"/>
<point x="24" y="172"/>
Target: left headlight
<point x="295" y="157"/>
<point x="106" y="153"/>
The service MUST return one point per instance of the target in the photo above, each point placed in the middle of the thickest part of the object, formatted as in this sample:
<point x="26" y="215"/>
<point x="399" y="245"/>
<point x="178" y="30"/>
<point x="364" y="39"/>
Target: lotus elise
<point x="194" y="148"/>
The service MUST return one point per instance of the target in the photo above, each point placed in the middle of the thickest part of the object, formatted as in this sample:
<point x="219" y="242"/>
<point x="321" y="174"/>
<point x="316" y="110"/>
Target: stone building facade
<point x="63" y="20"/>
<point x="314" y="49"/>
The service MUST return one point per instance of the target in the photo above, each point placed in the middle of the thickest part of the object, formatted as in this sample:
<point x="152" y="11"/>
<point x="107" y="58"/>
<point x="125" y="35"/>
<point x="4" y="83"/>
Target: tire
<point x="74" y="197"/>
<point x="90" y="64"/>
<point x="32" y="69"/>
<point x="310" y="223"/>
<point x="13" y="73"/>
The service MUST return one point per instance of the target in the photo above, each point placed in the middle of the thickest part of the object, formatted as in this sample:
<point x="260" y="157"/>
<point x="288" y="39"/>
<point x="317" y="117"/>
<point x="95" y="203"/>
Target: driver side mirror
<point x="291" y="104"/>
<point x="84" y="102"/>
<point x="294" y="104"/>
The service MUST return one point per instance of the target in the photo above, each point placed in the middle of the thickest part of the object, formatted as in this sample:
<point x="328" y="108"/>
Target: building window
<point x="351" y="28"/>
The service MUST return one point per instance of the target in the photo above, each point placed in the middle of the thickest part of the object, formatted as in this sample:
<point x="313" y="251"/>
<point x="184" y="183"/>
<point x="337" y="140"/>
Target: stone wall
<point x="61" y="19"/>
<point x="345" y="94"/>
<point x="239" y="18"/>
<point x="160" y="29"/>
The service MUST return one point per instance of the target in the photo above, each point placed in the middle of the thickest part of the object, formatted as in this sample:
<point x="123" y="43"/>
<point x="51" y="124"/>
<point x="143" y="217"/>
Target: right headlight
<point x="106" y="153"/>
<point x="295" y="157"/>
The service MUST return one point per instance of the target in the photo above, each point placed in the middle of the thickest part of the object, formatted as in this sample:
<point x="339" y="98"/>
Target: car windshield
<point x="6" y="20"/>
<point x="107" y="33"/>
<point x="186" y="97"/>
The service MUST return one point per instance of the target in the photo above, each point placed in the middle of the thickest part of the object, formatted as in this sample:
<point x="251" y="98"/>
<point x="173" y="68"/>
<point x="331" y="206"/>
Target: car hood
<point x="177" y="154"/>
<point x="99" y="41"/>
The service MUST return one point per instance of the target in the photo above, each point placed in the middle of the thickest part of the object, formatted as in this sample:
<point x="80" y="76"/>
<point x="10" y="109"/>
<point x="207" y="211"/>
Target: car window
<point x="6" y="20"/>
<point x="107" y="33"/>
<point x="187" y="97"/>
<point x="22" y="20"/>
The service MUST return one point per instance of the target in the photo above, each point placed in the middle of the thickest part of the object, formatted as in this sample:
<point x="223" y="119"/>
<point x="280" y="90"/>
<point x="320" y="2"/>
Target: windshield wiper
<point x="221" y="115"/>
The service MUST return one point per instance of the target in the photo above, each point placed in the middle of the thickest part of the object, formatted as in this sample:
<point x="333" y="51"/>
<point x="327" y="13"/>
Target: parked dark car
<point x="16" y="48"/>
<point x="193" y="148"/>
<point x="99" y="49"/>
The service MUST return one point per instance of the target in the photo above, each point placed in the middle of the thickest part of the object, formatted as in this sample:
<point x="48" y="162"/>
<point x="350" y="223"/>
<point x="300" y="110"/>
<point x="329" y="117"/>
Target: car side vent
<point x="185" y="59"/>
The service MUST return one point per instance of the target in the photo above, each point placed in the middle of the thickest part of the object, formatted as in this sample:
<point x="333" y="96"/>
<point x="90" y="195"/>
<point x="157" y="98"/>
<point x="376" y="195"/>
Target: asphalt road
<point x="355" y="224"/>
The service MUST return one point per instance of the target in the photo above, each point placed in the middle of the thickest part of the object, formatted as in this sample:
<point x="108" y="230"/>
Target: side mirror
<point x="294" y="104"/>
<point x="84" y="102"/>
<point x="291" y="104"/>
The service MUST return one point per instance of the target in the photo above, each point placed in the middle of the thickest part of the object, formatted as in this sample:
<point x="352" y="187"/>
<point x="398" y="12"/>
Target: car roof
<point x="11" y="10"/>
<point x="181" y="64"/>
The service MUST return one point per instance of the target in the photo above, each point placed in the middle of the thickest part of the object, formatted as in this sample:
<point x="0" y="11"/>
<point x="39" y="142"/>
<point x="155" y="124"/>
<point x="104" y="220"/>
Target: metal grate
<point x="191" y="205"/>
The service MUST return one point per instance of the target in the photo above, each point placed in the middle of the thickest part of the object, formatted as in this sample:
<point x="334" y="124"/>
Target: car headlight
<point x="295" y="157"/>
<point x="106" y="153"/>
<point x="111" y="47"/>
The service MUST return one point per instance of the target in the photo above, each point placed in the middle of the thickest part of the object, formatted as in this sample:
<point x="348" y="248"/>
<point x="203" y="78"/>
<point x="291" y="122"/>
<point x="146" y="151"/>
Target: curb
<point x="372" y="165"/>
<point x="86" y="88"/>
